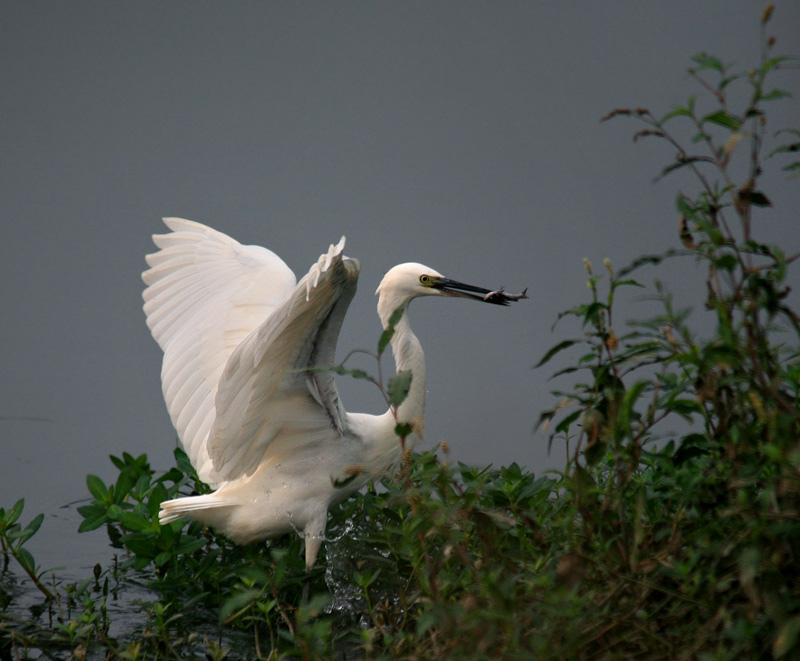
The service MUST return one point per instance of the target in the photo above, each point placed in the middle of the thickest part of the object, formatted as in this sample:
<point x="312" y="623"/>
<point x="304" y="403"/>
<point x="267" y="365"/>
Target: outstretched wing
<point x="267" y="389"/>
<point x="205" y="293"/>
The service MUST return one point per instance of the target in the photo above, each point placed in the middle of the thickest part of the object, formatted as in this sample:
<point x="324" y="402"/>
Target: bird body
<point x="293" y="491"/>
<point x="243" y="376"/>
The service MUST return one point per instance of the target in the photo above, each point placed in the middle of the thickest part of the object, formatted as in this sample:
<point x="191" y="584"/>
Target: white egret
<point x="239" y="336"/>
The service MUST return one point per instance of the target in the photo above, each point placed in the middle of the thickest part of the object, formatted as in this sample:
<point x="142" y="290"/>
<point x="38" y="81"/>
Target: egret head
<point x="407" y="281"/>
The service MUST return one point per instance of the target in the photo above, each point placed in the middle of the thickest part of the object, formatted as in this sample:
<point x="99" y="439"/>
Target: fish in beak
<point x="459" y="289"/>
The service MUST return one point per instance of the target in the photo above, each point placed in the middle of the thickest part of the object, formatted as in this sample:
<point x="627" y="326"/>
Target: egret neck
<point x="408" y="357"/>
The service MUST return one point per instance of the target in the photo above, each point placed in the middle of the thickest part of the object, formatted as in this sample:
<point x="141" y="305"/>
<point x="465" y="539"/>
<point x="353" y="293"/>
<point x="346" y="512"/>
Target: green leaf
<point x="685" y="407"/>
<point x="35" y="524"/>
<point x="754" y="197"/>
<point x="123" y="486"/>
<point x="773" y="62"/>
<point x="191" y="546"/>
<point x="357" y="374"/>
<point x="117" y="462"/>
<point x="26" y="560"/>
<point x="583" y="480"/>
<point x="645" y="260"/>
<point x="724" y="82"/>
<point x="141" y="486"/>
<point x="135" y="522"/>
<point x="676" y="112"/>
<point x="626" y="283"/>
<point x="237" y="604"/>
<point x="162" y="558"/>
<point x="91" y="511"/>
<point x="388" y="332"/>
<point x="403" y="429"/>
<point x="722" y="118"/>
<point x="726" y="262"/>
<point x="564" y="424"/>
<point x="174" y="474"/>
<point x="707" y="61"/>
<point x="566" y="370"/>
<point x="683" y="162"/>
<point x="141" y="545"/>
<point x="565" y="344"/>
<point x="786" y="149"/>
<point x="97" y="488"/>
<point x="398" y="388"/>
<point x="82" y="587"/>
<point x="384" y="339"/>
<point x="366" y="579"/>
<point x="790" y="148"/>
<point x="182" y="460"/>
<point x="630" y="398"/>
<point x="775" y="94"/>
<point x="93" y="522"/>
<point x="157" y="496"/>
<point x="28" y="531"/>
<point x="15" y="512"/>
<point x="590" y="312"/>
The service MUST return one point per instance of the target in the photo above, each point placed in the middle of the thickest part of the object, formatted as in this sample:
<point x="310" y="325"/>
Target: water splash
<point x="350" y="552"/>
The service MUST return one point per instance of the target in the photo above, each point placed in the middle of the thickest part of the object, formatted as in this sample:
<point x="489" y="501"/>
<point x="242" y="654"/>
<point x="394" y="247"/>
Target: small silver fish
<point x="500" y="296"/>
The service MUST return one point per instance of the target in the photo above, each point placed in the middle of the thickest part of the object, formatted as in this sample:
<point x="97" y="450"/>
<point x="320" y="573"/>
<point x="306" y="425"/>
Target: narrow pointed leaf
<point x="398" y="388"/>
<point x="565" y="344"/>
<point x="15" y="511"/>
<point x="388" y="332"/>
<point x="676" y="112"/>
<point x="722" y="118"/>
<point x="707" y="61"/>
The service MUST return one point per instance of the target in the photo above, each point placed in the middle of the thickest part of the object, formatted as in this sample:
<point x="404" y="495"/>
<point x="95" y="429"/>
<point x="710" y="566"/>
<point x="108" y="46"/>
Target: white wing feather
<point x="267" y="392"/>
<point x="206" y="292"/>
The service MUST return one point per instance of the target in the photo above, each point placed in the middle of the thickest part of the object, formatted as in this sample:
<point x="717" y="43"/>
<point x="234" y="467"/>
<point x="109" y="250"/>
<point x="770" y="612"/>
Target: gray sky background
<point x="464" y="135"/>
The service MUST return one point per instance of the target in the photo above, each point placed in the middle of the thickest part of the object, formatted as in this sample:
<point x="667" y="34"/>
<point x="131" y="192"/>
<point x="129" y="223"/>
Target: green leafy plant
<point x="698" y="526"/>
<point x="12" y="544"/>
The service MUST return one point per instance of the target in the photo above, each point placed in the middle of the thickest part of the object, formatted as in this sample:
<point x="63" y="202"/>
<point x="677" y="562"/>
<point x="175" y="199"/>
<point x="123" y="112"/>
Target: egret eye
<point x="425" y="279"/>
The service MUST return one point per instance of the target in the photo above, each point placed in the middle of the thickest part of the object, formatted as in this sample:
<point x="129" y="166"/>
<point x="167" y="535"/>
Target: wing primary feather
<point x="271" y="367"/>
<point x="205" y="293"/>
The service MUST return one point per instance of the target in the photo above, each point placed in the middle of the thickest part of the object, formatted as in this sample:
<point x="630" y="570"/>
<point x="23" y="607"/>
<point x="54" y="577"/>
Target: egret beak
<point x="459" y="289"/>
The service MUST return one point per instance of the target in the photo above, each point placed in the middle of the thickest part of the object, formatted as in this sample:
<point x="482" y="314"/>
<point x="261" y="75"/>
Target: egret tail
<point x="172" y="510"/>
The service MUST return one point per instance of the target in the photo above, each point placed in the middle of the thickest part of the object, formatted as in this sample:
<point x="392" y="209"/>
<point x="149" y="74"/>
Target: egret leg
<point x="313" y="535"/>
